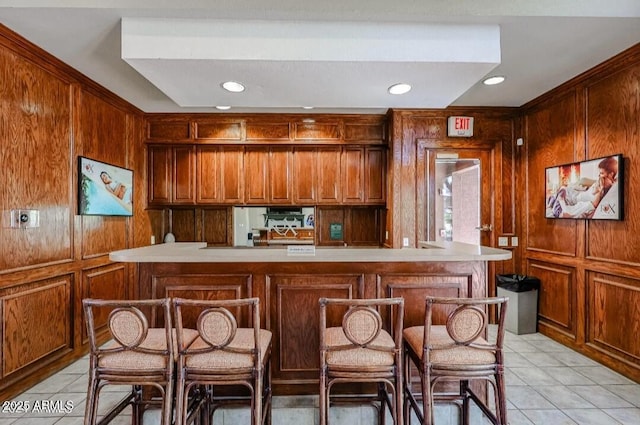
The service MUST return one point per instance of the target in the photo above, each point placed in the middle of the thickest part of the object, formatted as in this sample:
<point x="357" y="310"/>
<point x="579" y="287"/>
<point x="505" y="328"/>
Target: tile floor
<point x="547" y="384"/>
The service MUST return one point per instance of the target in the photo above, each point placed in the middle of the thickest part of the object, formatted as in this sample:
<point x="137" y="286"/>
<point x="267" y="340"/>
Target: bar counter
<point x="198" y="252"/>
<point x="289" y="287"/>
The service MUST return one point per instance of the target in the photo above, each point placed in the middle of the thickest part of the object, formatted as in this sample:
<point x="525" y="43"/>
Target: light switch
<point x="514" y="241"/>
<point x="503" y="241"/>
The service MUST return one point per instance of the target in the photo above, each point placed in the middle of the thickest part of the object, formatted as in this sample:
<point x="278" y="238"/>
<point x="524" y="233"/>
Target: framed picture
<point x="590" y="189"/>
<point x="104" y="189"/>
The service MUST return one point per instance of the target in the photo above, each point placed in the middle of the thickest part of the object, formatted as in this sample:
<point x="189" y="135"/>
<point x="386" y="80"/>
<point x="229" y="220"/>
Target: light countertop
<point x="198" y="252"/>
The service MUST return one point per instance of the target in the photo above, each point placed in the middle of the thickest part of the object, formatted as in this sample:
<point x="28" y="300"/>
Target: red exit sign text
<point x="460" y="127"/>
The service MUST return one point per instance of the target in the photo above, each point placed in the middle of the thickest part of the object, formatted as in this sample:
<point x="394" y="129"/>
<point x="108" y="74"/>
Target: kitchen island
<point x="289" y="286"/>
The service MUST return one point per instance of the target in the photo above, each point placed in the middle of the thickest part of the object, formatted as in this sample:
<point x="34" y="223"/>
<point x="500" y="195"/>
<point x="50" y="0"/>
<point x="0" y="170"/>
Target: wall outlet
<point x="503" y="241"/>
<point x="514" y="241"/>
<point x="153" y="240"/>
<point x="386" y="235"/>
<point x="24" y="219"/>
<point x="405" y="242"/>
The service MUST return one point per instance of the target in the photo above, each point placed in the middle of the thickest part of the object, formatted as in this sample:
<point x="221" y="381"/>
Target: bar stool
<point x="223" y="354"/>
<point x="362" y="351"/>
<point x="456" y="351"/>
<point x="138" y="355"/>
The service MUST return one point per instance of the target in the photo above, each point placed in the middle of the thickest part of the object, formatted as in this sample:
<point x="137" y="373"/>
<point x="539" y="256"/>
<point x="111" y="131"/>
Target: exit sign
<point x="460" y="127"/>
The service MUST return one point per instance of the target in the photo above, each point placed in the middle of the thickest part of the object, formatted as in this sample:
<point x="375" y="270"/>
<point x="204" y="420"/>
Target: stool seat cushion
<point x="455" y="355"/>
<point x="135" y="360"/>
<point x="360" y="356"/>
<point x="221" y="360"/>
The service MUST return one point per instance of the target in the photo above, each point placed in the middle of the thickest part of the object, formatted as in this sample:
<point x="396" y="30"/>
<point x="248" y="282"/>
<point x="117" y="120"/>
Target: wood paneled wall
<point x="50" y="115"/>
<point x="412" y="133"/>
<point x="589" y="270"/>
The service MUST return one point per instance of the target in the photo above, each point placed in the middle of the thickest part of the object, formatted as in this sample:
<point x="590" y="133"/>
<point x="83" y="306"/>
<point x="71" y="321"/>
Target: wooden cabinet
<point x="280" y="175"/>
<point x="268" y="174"/>
<point x="171" y="175"/>
<point x="329" y="175"/>
<point x="256" y="174"/>
<point x="363" y="175"/>
<point x="220" y="174"/>
<point x="375" y="172"/>
<point x="263" y="175"/>
<point x="183" y="173"/>
<point x="305" y="175"/>
<point x="159" y="176"/>
<point x="352" y="175"/>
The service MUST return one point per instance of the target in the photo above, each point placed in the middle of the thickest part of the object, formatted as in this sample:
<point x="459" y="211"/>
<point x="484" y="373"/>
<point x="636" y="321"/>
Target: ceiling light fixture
<point x="307" y="107"/>
<point x="399" y="88"/>
<point x="233" y="86"/>
<point x="492" y="81"/>
<point x="223" y="108"/>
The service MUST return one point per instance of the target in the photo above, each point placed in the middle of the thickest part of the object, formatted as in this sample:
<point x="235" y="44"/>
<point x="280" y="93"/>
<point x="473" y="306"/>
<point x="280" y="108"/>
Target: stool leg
<point x="501" y="404"/>
<point x="464" y="387"/>
<point x="322" y="406"/>
<point x="91" y="408"/>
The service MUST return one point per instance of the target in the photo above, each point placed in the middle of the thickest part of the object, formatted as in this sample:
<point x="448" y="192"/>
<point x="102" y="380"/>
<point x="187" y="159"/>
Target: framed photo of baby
<point x="104" y="189"/>
<point x="586" y="190"/>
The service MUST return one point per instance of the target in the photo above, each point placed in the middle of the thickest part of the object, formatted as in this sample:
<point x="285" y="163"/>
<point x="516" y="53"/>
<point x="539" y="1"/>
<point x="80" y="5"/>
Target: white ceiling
<point x="336" y="55"/>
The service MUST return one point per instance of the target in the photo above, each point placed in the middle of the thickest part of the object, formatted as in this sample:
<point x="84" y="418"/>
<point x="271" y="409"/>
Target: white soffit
<point x="289" y="64"/>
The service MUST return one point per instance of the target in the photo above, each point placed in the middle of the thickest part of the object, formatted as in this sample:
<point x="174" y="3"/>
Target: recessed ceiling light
<point x="307" y="107"/>
<point x="223" y="108"/>
<point x="233" y="86"/>
<point x="492" y="81"/>
<point x="400" y="88"/>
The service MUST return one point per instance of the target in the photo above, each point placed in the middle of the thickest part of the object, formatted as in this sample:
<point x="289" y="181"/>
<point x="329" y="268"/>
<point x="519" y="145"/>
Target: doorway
<point x="474" y="205"/>
<point x="457" y="200"/>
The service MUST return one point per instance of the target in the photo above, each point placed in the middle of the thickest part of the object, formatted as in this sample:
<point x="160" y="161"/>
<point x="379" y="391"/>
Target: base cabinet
<point x="289" y="294"/>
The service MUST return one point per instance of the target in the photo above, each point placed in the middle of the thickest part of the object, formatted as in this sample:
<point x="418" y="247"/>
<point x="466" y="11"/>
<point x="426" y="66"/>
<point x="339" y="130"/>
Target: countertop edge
<point x="192" y="252"/>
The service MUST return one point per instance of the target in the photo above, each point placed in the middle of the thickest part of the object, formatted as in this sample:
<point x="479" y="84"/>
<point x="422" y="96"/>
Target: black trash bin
<point x="522" y="291"/>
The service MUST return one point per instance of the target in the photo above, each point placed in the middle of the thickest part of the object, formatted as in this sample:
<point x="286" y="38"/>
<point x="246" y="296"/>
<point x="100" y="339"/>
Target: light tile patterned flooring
<point x="547" y="384"/>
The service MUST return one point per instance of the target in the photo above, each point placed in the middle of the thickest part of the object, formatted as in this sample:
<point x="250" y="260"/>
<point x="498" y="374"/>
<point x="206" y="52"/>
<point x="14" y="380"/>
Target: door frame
<point x="491" y="192"/>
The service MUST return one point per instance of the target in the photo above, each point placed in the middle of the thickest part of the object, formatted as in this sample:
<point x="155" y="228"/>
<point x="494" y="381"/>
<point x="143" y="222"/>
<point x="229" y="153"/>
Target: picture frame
<point x="104" y="189"/>
<point x="591" y="189"/>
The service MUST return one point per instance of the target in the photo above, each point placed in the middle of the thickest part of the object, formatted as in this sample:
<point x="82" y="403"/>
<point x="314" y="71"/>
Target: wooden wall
<point x="414" y="136"/>
<point x="588" y="269"/>
<point x="50" y="115"/>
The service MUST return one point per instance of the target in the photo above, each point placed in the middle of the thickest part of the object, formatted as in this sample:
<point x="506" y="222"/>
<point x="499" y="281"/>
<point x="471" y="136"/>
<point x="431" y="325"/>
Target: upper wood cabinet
<point x="262" y="175"/>
<point x="375" y="175"/>
<point x="329" y="175"/>
<point x="353" y="175"/>
<point x="280" y="175"/>
<point x="268" y="173"/>
<point x="363" y="175"/>
<point x="220" y="174"/>
<point x="305" y="175"/>
<point x="171" y="175"/>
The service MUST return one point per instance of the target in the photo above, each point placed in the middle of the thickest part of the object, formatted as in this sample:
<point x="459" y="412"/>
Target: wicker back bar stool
<point x="138" y="355"/>
<point x="456" y="351"/>
<point x="362" y="351"/>
<point x="223" y="355"/>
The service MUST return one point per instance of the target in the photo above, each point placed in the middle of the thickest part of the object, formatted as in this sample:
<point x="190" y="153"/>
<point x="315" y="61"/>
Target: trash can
<point x="522" y="291"/>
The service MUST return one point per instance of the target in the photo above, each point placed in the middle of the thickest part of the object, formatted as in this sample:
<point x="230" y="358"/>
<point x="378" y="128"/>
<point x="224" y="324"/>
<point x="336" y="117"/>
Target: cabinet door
<point x="353" y="175"/>
<point x="256" y="173"/>
<point x="375" y="175"/>
<point x="232" y="174"/>
<point x="208" y="174"/>
<point x="184" y="166"/>
<point x="329" y="175"/>
<point x="159" y="178"/>
<point x="305" y="175"/>
<point x="280" y="174"/>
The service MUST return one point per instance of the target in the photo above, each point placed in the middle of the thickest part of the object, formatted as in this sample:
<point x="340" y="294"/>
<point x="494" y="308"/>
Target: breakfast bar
<point x="290" y="282"/>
